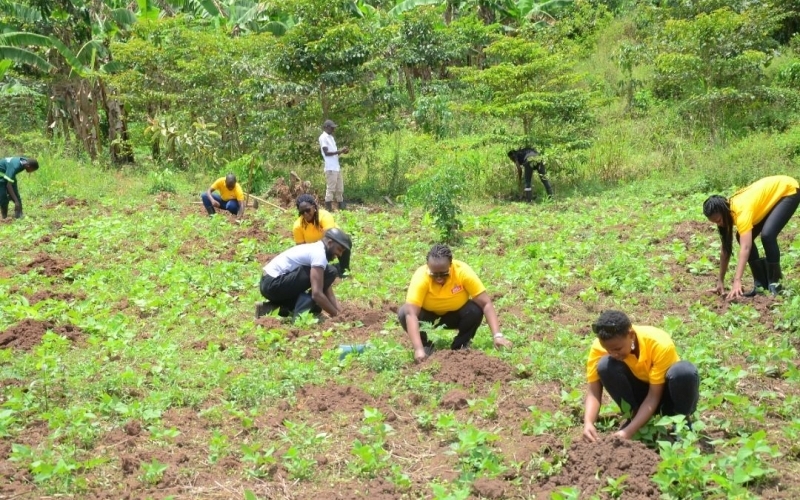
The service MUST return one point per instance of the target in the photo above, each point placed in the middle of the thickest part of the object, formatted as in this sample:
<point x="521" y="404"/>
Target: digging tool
<point x="266" y="202"/>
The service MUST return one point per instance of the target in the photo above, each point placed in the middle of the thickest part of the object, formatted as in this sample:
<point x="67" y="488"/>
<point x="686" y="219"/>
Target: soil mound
<point x="489" y="488"/>
<point x="469" y="367"/>
<point x="28" y="333"/>
<point x="41" y="295"/>
<point x="47" y="265"/>
<point x="334" y="399"/>
<point x="589" y="464"/>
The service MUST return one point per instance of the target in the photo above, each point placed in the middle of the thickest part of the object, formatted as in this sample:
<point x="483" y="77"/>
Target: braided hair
<point x="440" y="252"/>
<point x="307" y="198"/>
<point x="717" y="204"/>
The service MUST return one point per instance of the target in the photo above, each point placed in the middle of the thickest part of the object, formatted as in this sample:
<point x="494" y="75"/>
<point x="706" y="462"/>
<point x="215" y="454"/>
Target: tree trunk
<point x="324" y="102"/>
<point x="409" y="80"/>
<point x="119" y="141"/>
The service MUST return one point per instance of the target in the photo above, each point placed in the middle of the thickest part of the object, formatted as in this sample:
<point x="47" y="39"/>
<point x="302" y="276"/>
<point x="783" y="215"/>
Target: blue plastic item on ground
<point x="351" y="349"/>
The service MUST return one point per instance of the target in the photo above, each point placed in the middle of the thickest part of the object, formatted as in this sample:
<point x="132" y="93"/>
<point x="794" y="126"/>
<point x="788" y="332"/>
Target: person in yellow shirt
<point x="230" y="196"/>
<point x="447" y="290"/>
<point x="310" y="227"/>
<point x="639" y="367"/>
<point x="762" y="208"/>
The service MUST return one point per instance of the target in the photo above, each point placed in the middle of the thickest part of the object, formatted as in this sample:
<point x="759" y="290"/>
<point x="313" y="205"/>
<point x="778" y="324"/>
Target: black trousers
<point x="681" y="388"/>
<point x="466" y="320"/>
<point x="771" y="226"/>
<point x="5" y="198"/>
<point x="530" y="166"/>
<point x="285" y="289"/>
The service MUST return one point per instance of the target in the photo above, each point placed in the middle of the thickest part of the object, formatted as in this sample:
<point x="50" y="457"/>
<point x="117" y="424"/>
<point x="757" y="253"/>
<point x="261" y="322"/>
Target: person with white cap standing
<point x="334" y="189"/>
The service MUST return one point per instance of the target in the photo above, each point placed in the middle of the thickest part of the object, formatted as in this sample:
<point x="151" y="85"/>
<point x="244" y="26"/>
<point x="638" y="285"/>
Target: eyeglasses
<point x="433" y="275"/>
<point x="304" y="211"/>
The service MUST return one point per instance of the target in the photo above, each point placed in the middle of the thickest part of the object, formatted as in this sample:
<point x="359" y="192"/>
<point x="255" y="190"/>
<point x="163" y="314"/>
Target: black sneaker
<point x="264" y="308"/>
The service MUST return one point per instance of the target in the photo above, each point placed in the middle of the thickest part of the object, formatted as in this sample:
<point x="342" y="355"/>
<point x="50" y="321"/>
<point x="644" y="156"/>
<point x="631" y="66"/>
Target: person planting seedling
<point x="641" y="370"/>
<point x="762" y="208"/>
<point x="9" y="185"/>
<point x="287" y="278"/>
<point x="529" y="159"/>
<point x="229" y="196"/>
<point x="447" y="290"/>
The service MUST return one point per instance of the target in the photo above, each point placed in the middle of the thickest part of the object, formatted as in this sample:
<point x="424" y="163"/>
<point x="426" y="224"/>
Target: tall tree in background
<point x="71" y="37"/>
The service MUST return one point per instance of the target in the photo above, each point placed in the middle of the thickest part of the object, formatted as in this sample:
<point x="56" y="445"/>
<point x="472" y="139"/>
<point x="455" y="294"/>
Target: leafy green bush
<point x="162" y="182"/>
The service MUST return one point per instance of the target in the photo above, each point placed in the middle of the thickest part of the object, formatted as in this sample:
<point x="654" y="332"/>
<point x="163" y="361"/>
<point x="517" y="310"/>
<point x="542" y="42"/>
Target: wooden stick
<point x="268" y="203"/>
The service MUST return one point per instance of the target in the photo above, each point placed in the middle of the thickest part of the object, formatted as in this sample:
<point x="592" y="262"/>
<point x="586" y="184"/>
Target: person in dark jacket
<point x="9" y="185"/>
<point x="530" y="160"/>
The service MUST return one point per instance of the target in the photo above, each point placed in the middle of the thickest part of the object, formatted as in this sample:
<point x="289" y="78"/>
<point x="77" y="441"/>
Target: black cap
<point x="328" y="123"/>
<point x="339" y="237"/>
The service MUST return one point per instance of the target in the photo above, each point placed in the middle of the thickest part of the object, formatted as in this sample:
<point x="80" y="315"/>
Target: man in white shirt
<point x="288" y="276"/>
<point x="334" y="190"/>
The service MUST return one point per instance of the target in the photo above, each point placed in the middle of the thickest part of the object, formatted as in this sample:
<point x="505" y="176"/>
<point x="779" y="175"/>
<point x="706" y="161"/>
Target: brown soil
<point x="73" y="202"/>
<point x="47" y="265"/>
<point x="41" y="295"/>
<point x="28" y="333"/>
<point x="468" y="367"/>
<point x="589" y="464"/>
<point x="335" y="399"/>
<point x="489" y="488"/>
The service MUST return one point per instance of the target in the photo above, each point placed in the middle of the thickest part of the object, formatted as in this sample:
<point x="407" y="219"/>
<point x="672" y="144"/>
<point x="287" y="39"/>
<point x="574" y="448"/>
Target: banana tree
<point x="68" y="50"/>
<point x="242" y="16"/>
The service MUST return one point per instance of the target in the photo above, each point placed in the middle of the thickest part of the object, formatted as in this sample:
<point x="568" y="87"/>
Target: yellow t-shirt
<point x="227" y="194"/>
<point x="656" y="354"/>
<point x="750" y="205"/>
<point x="304" y="232"/>
<point x="461" y="285"/>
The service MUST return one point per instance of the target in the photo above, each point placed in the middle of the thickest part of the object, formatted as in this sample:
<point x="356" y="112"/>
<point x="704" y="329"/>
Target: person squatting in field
<point x="310" y="227"/>
<point x="9" y="183"/>
<point x="641" y="370"/>
<point x="762" y="208"/>
<point x="447" y="290"/>
<point x="530" y="160"/>
<point x="230" y="196"/>
<point x="287" y="278"/>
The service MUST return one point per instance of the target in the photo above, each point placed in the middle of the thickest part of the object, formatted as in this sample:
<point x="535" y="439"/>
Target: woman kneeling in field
<point x="639" y="367"/>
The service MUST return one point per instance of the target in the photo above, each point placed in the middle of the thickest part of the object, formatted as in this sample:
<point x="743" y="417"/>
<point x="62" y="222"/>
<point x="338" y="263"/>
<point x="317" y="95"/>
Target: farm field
<point x="131" y="365"/>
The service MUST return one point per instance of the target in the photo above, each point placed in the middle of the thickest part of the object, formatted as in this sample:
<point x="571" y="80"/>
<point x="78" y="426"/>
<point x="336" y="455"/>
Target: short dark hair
<point x="440" y="251"/>
<point x="611" y="324"/>
<point x="32" y="162"/>
<point x="230" y="178"/>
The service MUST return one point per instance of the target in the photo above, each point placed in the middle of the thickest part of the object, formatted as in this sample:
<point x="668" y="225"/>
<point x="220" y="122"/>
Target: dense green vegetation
<point x="611" y="91"/>
<point x="152" y="378"/>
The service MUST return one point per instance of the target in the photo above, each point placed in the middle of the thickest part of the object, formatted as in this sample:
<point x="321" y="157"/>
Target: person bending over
<point x="287" y="278"/>
<point x="9" y="182"/>
<point x="762" y="208"/>
<point x="530" y="160"/>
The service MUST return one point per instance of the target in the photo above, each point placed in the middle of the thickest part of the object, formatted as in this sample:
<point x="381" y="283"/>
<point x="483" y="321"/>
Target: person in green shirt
<point x="9" y="186"/>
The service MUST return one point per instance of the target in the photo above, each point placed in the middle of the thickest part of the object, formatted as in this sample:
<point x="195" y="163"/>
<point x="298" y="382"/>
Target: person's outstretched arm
<point x="646" y="410"/>
<point x="591" y="409"/>
<point x="745" y="245"/>
<point x="485" y="303"/>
